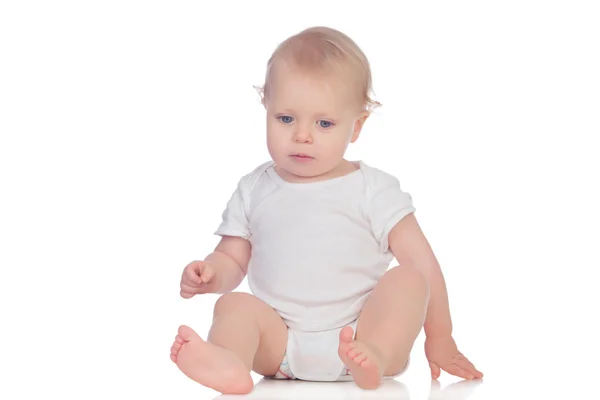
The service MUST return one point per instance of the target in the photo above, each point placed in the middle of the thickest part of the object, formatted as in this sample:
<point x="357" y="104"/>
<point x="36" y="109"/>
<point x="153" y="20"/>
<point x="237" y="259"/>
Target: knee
<point x="233" y="302"/>
<point x="410" y="276"/>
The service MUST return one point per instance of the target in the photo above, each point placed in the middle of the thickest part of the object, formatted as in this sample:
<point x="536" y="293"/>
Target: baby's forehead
<point x="312" y="103"/>
<point x="330" y="71"/>
<point x="289" y="81"/>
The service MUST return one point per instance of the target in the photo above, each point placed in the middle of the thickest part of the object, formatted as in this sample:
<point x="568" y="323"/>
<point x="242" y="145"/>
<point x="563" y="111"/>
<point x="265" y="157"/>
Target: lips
<point x="301" y="155"/>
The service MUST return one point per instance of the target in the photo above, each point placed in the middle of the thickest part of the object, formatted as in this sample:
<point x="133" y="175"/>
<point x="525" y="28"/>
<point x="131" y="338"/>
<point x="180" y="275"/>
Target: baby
<point x="315" y="234"/>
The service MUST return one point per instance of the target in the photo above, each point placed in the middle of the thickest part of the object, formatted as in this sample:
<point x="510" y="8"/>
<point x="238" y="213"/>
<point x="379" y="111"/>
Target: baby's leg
<point x="387" y="328"/>
<point x="246" y="335"/>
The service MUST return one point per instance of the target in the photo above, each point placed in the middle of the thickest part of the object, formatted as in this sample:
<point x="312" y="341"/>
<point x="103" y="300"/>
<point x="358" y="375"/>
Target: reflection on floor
<point x="391" y="389"/>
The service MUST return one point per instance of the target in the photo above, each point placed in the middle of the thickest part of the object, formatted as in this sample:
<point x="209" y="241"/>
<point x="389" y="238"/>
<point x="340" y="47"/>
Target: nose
<point x="302" y="135"/>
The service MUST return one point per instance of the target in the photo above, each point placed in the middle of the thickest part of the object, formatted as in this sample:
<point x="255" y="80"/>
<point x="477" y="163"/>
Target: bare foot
<point x="210" y="365"/>
<point x="364" y="362"/>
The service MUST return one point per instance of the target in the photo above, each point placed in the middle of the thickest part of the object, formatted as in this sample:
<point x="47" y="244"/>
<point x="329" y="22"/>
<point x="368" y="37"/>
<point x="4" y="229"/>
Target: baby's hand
<point x="198" y="278"/>
<point x="442" y="353"/>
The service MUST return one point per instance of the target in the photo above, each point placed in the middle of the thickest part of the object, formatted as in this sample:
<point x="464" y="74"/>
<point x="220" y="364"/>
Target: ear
<point x="358" y="125"/>
<point x="261" y="95"/>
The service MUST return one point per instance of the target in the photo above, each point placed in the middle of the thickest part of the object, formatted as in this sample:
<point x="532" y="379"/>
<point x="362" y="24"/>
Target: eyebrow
<point x="317" y="115"/>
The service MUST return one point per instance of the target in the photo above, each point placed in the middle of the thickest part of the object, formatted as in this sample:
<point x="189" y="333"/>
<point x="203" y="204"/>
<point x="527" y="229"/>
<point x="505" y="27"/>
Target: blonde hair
<point x="323" y="50"/>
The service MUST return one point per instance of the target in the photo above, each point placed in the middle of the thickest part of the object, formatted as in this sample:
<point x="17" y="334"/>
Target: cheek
<point x="339" y="141"/>
<point x="275" y="140"/>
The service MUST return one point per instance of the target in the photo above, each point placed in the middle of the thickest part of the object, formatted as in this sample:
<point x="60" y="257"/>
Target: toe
<point x="173" y="358"/>
<point x="360" y="358"/>
<point x="186" y="333"/>
<point x="346" y="335"/>
<point x="353" y="353"/>
<point x="347" y="347"/>
<point x="179" y="340"/>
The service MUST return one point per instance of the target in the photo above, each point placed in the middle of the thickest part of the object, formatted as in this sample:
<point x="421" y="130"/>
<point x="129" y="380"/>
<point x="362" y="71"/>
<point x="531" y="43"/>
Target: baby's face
<point x="310" y="122"/>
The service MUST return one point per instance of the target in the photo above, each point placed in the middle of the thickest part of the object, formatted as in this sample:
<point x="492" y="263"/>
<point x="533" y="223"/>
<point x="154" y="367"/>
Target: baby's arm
<point x="230" y="261"/>
<point x="410" y="247"/>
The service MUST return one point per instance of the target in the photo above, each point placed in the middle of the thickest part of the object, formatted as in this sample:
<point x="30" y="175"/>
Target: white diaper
<point x="313" y="356"/>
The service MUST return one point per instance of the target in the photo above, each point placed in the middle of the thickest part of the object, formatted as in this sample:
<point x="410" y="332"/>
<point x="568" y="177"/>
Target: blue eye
<point x="325" y="124"/>
<point x="286" y="119"/>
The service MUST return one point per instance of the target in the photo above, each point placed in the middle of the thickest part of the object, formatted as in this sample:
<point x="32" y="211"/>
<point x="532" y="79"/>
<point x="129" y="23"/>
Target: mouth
<point x="302" y="156"/>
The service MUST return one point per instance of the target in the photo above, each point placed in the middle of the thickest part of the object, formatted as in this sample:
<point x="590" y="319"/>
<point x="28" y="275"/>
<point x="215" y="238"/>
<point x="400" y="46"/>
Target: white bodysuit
<point x="318" y="250"/>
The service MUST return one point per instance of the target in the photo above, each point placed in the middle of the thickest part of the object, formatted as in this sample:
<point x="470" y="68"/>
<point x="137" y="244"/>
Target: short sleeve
<point x="386" y="205"/>
<point x="234" y="218"/>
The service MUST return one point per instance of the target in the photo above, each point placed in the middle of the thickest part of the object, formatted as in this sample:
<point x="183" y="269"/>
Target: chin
<point x="297" y="170"/>
<point x="303" y="172"/>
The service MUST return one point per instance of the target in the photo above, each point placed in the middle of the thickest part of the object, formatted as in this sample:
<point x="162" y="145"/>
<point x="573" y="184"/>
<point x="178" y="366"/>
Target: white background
<point x="125" y="126"/>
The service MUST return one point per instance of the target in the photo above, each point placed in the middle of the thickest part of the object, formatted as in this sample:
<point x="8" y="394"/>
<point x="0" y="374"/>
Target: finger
<point x="462" y="361"/>
<point x="186" y="295"/>
<point x="193" y="275"/>
<point x="195" y="289"/>
<point x="458" y="371"/>
<point x="185" y="281"/>
<point x="467" y="366"/>
<point x="207" y="275"/>
<point x="435" y="370"/>
<point x="191" y="278"/>
<point x="476" y="373"/>
<point x="191" y="283"/>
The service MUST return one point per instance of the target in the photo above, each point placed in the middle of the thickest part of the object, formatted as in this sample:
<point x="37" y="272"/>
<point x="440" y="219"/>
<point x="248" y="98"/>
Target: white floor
<point x="268" y="389"/>
<point x="541" y="385"/>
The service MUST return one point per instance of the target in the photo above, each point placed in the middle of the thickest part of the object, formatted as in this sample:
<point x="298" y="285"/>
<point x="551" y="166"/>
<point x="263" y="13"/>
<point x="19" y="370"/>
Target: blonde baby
<point x="315" y="234"/>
